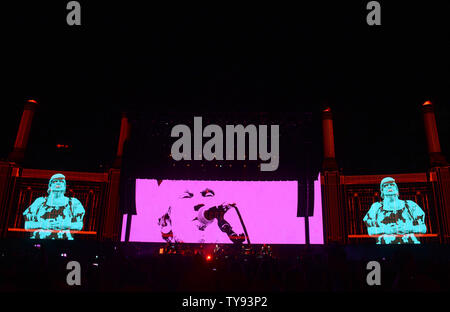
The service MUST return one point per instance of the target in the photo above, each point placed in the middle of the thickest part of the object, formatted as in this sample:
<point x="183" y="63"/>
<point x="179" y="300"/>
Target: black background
<point x="227" y="57"/>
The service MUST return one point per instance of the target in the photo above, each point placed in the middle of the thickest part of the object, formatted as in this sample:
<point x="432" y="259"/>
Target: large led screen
<point x="262" y="212"/>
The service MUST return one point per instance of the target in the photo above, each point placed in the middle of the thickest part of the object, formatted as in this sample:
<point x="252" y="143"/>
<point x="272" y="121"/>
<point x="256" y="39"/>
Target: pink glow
<point x="316" y="221"/>
<point x="268" y="208"/>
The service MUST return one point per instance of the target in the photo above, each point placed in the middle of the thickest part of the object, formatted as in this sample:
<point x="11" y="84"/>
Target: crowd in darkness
<point x="117" y="269"/>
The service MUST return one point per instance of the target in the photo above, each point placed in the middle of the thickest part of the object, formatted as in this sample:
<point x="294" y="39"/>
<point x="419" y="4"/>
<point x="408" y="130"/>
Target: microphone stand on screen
<point x="218" y="213"/>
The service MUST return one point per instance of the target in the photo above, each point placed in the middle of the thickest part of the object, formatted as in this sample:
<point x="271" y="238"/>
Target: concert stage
<point x="41" y="265"/>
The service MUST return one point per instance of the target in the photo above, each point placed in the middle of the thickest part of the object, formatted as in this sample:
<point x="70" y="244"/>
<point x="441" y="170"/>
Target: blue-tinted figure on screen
<point x="55" y="215"/>
<point x="393" y="220"/>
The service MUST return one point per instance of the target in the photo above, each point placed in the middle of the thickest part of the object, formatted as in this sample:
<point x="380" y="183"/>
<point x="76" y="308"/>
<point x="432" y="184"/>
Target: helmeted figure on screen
<point x="198" y="217"/>
<point x="54" y="216"/>
<point x="392" y="220"/>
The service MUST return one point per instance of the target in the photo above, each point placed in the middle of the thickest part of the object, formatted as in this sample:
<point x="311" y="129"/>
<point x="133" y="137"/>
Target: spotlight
<point x="208" y="258"/>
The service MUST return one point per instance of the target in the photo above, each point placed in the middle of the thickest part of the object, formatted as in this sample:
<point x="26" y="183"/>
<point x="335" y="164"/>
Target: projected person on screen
<point x="55" y="215"/>
<point x="197" y="217"/>
<point x="393" y="220"/>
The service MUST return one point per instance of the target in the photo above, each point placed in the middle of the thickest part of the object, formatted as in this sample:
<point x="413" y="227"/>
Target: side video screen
<point x="55" y="205"/>
<point x="393" y="220"/>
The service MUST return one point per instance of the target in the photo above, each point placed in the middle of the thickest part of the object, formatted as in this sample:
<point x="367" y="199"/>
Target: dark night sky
<point x="228" y="58"/>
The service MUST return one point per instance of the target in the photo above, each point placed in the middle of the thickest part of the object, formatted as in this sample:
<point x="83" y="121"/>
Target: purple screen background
<point x="268" y="209"/>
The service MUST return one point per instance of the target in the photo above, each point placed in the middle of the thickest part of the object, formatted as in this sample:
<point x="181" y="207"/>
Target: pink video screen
<point x="221" y="212"/>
